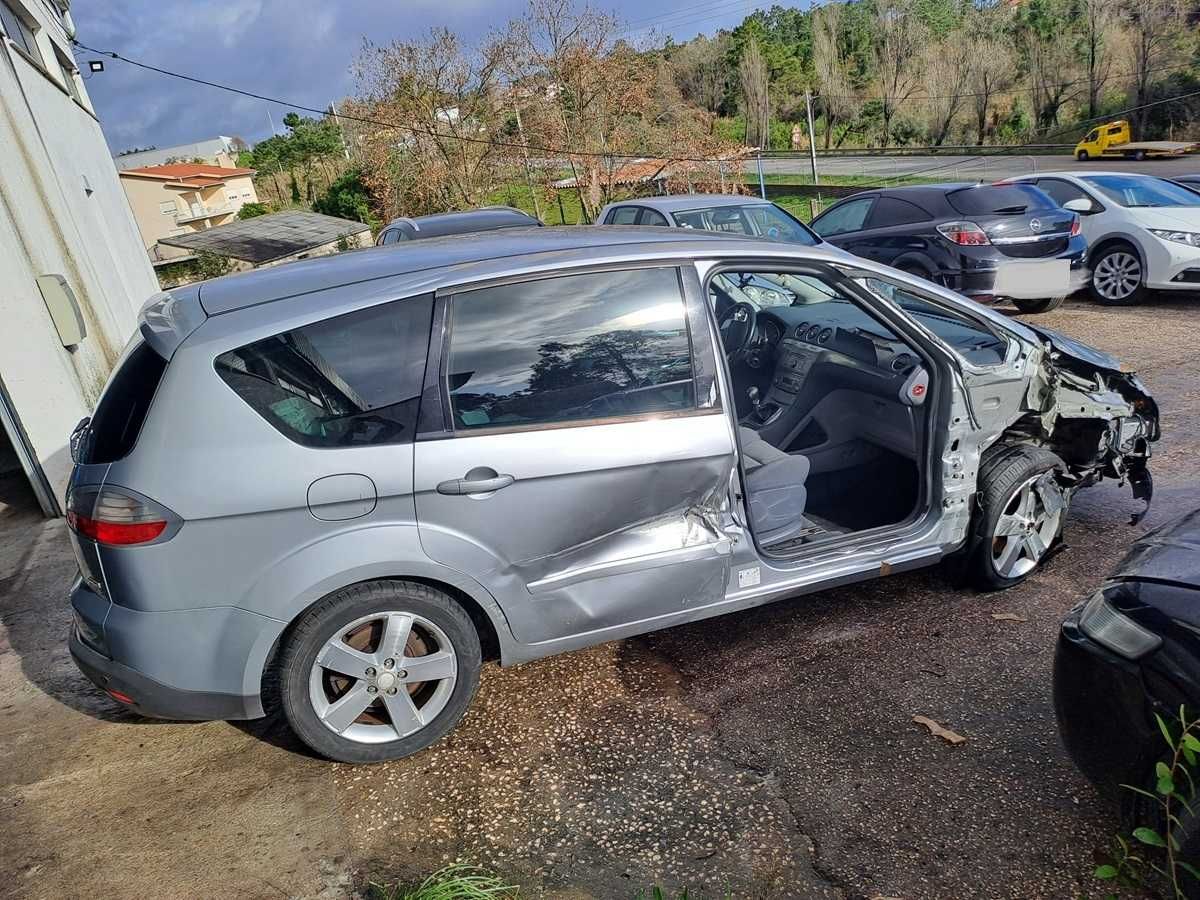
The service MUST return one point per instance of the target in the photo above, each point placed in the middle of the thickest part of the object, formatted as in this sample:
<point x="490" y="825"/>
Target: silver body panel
<point x="607" y="530"/>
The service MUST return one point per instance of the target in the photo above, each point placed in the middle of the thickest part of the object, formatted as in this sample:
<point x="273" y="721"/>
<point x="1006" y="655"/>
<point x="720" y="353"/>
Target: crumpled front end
<point x="1099" y="419"/>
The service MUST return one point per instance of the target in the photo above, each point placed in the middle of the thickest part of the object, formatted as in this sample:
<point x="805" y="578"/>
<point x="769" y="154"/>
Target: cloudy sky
<point x="298" y="50"/>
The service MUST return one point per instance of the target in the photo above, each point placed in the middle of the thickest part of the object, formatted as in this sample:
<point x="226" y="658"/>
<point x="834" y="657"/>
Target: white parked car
<point x="1143" y="232"/>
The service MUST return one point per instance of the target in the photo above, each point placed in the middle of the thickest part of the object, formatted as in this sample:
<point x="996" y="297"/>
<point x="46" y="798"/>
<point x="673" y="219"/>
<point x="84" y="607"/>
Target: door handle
<point x="477" y="481"/>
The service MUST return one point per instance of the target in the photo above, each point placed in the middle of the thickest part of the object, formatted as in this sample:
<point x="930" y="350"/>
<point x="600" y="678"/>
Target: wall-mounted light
<point x="95" y="65"/>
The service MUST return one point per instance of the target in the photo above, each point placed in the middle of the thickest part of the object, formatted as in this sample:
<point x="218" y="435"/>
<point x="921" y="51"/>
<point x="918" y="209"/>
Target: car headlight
<point x="1191" y="238"/>
<point x="1108" y="626"/>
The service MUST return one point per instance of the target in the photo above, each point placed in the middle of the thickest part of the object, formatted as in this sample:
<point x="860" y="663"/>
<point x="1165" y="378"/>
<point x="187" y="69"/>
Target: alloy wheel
<point x="1117" y="275"/>
<point x="1027" y="526"/>
<point x="383" y="677"/>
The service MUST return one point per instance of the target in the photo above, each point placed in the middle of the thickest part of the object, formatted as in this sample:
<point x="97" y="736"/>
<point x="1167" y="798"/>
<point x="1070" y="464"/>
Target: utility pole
<point x="762" y="184"/>
<point x="812" y="138"/>
<point x="345" y="144"/>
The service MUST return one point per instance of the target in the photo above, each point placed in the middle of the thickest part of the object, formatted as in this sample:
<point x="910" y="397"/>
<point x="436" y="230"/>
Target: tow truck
<point x="1113" y="139"/>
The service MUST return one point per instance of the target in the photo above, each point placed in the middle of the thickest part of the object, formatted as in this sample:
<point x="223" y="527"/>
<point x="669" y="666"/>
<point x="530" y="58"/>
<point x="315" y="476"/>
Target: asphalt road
<point x="970" y="168"/>
<point x="765" y="754"/>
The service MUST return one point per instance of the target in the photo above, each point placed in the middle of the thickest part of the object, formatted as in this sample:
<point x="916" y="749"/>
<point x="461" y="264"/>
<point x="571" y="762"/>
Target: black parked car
<point x="1129" y="652"/>
<point x="982" y="240"/>
<point x="488" y="218"/>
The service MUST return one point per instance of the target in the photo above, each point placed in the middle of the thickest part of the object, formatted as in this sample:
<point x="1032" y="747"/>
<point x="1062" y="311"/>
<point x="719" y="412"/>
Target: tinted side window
<point x="124" y="404"/>
<point x="623" y="215"/>
<point x="849" y="216"/>
<point x="347" y="381"/>
<point x="890" y="211"/>
<point x="1061" y="191"/>
<point x="652" y="217"/>
<point x="570" y="348"/>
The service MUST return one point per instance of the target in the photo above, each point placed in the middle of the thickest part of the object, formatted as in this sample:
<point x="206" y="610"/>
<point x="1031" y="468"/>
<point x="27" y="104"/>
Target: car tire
<point x="1032" y="307"/>
<point x="1118" y="276"/>
<point x="1139" y="155"/>
<point x="359" y="628"/>
<point x="1021" y="514"/>
<point x="1082" y="156"/>
<point x="917" y="271"/>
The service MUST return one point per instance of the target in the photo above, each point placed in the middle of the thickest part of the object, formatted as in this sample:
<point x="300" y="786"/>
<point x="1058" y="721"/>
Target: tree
<point x="756" y="104"/>
<point x="347" y="198"/>
<point x="837" y="96"/>
<point x="1047" y="35"/>
<point x="252" y="210"/>
<point x="899" y="37"/>
<point x="945" y="64"/>
<point x="1158" y="34"/>
<point x="990" y="70"/>
<point x="702" y="72"/>
<point x="1100" y="22"/>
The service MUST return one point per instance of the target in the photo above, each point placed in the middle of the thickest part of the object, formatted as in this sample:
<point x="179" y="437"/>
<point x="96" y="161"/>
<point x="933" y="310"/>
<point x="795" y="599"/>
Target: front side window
<point x="970" y="339"/>
<point x="1142" y="190"/>
<point x="844" y="218"/>
<point x="570" y="348"/>
<point x="347" y="381"/>
<point x="652" y="217"/>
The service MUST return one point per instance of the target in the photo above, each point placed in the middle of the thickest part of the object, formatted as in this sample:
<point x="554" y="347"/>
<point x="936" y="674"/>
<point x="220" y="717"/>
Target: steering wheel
<point x="738" y="325"/>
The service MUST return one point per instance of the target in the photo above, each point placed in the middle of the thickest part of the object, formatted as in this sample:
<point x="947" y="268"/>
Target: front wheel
<point x="1117" y="277"/>
<point x="1023" y="509"/>
<point x="378" y="671"/>
<point x="1031" y="307"/>
<point x="1082" y="156"/>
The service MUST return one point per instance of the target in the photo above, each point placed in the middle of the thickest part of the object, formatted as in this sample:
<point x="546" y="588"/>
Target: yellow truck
<point x="1113" y="139"/>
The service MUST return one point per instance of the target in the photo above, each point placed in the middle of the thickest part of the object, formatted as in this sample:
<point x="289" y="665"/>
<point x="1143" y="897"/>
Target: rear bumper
<point x="194" y="664"/>
<point x="978" y="275"/>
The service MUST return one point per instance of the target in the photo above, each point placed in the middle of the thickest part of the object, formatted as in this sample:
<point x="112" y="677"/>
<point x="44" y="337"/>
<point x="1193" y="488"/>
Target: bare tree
<point x="836" y="89"/>
<point x="899" y="39"/>
<point x="435" y="103"/>
<point x="1157" y="38"/>
<point x="990" y="71"/>
<point x="1100" y="22"/>
<point x="945" y="65"/>
<point x="756" y="101"/>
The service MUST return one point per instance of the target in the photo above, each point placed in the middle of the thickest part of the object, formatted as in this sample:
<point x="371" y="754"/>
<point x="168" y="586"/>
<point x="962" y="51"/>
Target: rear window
<point x="123" y="407"/>
<point x="348" y="381"/>
<point x="998" y="199"/>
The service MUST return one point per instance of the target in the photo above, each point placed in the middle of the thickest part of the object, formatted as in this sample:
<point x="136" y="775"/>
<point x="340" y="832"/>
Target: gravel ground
<point x="766" y="754"/>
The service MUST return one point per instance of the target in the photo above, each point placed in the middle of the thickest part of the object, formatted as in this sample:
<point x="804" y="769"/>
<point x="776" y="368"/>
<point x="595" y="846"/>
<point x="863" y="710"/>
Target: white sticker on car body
<point x="749" y="577"/>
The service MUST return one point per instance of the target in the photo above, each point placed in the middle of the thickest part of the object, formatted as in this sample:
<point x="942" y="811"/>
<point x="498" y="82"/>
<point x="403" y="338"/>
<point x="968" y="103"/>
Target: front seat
<point x="775" y="492"/>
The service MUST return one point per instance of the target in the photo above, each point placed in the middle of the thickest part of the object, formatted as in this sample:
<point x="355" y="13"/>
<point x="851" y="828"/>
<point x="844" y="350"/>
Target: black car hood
<point x="1169" y="553"/>
<point x="1076" y="349"/>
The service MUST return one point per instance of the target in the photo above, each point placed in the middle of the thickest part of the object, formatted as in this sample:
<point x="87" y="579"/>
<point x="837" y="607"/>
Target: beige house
<point x="183" y="198"/>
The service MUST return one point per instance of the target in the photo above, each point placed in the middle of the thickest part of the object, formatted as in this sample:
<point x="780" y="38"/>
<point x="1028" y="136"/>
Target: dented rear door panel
<point x="602" y="525"/>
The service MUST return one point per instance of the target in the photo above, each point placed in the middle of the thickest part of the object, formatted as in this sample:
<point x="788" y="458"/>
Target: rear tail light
<point x="118" y="517"/>
<point x="1075" y="227"/>
<point x="966" y="234"/>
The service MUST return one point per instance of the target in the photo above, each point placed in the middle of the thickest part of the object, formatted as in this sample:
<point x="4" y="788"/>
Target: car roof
<point x="1088" y="174"/>
<point x="440" y="224"/>
<point x="466" y="256"/>
<point x="674" y="202"/>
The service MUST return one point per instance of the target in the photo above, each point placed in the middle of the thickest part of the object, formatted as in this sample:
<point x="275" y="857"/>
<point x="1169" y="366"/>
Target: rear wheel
<point x="379" y="670"/>
<point x="1139" y="155"/>
<point x="1023" y="509"/>
<point x="917" y="271"/>
<point x="1038" y="306"/>
<point x="1117" y="277"/>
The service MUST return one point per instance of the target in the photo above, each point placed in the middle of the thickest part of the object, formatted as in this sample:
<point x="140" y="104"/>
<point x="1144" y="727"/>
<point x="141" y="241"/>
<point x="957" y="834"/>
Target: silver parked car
<point x="341" y="485"/>
<point x="725" y="213"/>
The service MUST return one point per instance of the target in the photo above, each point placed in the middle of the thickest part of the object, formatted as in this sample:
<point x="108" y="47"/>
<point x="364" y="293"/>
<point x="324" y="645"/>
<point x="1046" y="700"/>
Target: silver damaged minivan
<point x="337" y="487"/>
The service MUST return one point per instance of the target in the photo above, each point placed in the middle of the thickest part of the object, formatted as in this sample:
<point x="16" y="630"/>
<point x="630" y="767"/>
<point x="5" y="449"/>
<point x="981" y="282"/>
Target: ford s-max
<point x="354" y="479"/>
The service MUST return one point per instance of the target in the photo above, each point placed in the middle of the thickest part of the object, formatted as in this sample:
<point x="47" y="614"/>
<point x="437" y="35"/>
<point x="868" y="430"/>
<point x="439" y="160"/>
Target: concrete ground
<point x="767" y="754"/>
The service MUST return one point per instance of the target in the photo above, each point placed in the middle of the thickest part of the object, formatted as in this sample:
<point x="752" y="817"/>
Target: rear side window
<point x="570" y="348"/>
<point x="1062" y="192"/>
<point x="348" y="381"/>
<point x="889" y="212"/>
<point x="623" y="215"/>
<point x="998" y="199"/>
<point x="123" y="407"/>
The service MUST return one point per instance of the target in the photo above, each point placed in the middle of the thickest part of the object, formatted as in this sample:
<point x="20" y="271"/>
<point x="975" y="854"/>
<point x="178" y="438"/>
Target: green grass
<point x="454" y="882"/>
<point x="517" y="194"/>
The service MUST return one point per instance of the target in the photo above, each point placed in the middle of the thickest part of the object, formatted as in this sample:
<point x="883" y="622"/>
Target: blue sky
<point x="294" y="49"/>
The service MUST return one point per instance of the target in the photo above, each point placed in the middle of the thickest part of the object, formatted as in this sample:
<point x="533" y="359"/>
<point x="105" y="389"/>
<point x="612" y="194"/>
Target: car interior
<point x="831" y="402"/>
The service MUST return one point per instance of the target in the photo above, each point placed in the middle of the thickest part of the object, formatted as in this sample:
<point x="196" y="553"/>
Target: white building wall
<point x="62" y="211"/>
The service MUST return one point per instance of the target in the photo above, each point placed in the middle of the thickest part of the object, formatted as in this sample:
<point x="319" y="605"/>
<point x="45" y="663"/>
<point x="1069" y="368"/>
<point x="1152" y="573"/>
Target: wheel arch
<point x="1114" y="240"/>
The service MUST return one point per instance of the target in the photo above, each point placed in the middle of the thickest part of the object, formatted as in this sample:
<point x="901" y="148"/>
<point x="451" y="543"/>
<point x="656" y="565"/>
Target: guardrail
<point x="944" y="150"/>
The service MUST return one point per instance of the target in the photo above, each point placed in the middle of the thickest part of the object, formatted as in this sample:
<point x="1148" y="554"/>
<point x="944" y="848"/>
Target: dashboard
<point x="793" y="338"/>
